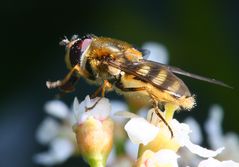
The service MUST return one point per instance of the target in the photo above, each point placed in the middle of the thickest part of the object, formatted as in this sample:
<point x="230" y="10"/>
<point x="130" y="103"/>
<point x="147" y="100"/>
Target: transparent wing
<point x="177" y="70"/>
<point x="153" y="73"/>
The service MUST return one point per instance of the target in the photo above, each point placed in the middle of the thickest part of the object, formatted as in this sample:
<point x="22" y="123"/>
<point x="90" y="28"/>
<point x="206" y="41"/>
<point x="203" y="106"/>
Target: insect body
<point x="114" y="64"/>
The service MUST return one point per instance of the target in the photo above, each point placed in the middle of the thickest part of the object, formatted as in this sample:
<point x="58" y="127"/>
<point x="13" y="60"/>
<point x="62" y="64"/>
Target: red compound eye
<point x="75" y="53"/>
<point x="78" y="48"/>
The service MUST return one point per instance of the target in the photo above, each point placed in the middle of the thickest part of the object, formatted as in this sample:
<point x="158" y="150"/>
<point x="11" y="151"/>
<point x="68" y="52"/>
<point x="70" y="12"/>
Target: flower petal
<point x="213" y="127"/>
<point x="167" y="157"/>
<point x="57" y="108"/>
<point x="216" y="138"/>
<point x="196" y="135"/>
<point x="62" y="148"/>
<point x="60" y="151"/>
<point x="140" y="131"/>
<point x="45" y="158"/>
<point x="102" y="110"/>
<point x="202" y="152"/>
<point x="47" y="131"/>
<point x="98" y="108"/>
<point x="231" y="142"/>
<point x="215" y="163"/>
<point x="78" y="110"/>
<point x="181" y="131"/>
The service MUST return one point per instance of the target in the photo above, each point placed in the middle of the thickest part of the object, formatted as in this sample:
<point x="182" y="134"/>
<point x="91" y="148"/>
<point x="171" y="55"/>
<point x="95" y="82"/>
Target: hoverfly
<point x="117" y="65"/>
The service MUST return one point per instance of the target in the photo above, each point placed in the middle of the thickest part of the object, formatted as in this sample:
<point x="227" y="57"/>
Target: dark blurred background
<point x="201" y="36"/>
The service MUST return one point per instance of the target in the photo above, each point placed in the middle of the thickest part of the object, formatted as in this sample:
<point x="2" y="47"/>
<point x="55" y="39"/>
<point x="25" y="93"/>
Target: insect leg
<point x="120" y="86"/>
<point x="155" y="101"/>
<point x="95" y="94"/>
<point x="157" y="111"/>
<point x="105" y="86"/>
<point x="102" y="89"/>
<point x="132" y="89"/>
<point x="67" y="84"/>
<point x="90" y="108"/>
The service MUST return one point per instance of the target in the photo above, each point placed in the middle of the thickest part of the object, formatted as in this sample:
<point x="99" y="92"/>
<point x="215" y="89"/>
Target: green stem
<point x="97" y="162"/>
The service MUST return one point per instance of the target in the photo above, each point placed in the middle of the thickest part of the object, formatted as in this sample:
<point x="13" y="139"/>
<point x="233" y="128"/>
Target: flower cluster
<point x="154" y="138"/>
<point x="94" y="135"/>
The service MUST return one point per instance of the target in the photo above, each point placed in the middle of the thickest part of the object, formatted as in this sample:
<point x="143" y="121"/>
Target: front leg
<point x="68" y="83"/>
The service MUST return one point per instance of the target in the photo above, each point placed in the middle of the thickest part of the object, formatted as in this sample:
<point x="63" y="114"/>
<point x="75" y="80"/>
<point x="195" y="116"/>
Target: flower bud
<point x="95" y="139"/>
<point x="94" y="130"/>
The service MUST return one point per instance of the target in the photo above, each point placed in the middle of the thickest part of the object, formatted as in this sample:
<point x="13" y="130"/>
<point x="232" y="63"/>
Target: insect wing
<point x="179" y="71"/>
<point x="155" y="74"/>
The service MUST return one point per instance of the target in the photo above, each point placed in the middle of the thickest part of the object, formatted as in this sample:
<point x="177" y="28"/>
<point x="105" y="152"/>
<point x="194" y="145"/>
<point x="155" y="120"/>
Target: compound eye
<point x="77" y="49"/>
<point x="75" y="53"/>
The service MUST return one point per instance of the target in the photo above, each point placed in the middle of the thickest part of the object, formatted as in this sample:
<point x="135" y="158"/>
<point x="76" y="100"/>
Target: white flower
<point x="216" y="138"/>
<point x="60" y="150"/>
<point x="98" y="108"/>
<point x="211" y="162"/>
<point x="58" y="136"/>
<point x="140" y="131"/>
<point x="158" y="52"/>
<point x="136" y="129"/>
